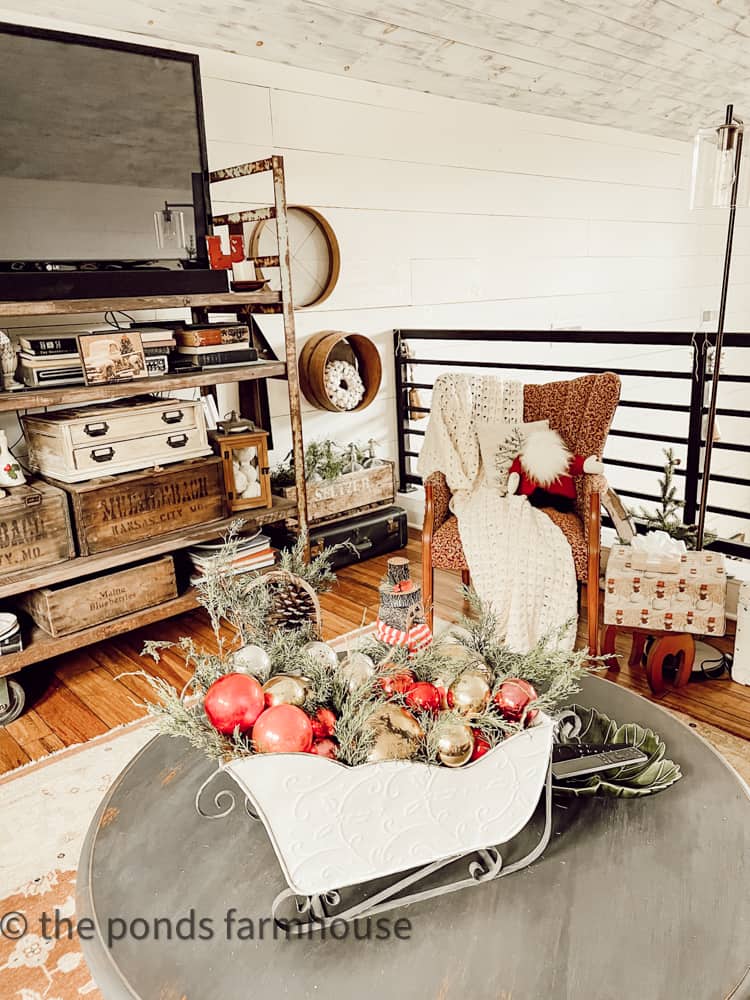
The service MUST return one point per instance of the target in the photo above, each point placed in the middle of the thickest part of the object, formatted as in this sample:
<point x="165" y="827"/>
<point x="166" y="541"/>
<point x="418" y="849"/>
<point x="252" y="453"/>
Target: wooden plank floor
<point x="87" y="692"/>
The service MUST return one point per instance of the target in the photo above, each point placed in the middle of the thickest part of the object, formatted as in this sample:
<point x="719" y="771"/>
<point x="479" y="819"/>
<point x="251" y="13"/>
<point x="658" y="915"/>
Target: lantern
<point x="243" y="449"/>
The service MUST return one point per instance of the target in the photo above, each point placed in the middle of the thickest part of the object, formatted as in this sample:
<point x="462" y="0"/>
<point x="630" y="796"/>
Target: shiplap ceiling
<point x="657" y="66"/>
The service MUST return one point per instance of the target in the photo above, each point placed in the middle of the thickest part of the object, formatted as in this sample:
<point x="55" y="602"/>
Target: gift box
<point x="665" y="591"/>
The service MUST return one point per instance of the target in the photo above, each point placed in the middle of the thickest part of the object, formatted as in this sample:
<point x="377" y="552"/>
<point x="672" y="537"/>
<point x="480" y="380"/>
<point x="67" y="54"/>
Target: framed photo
<point x="111" y="356"/>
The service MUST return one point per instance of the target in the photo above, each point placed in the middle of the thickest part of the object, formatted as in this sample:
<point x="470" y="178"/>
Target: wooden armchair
<point x="581" y="410"/>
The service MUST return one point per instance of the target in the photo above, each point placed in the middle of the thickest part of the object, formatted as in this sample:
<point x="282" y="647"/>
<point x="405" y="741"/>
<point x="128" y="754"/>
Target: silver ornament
<point x="321" y="652"/>
<point x="251" y="659"/>
<point x="357" y="668"/>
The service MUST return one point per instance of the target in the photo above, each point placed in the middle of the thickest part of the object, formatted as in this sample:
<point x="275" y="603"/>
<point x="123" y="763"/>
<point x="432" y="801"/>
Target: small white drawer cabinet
<point x="88" y="442"/>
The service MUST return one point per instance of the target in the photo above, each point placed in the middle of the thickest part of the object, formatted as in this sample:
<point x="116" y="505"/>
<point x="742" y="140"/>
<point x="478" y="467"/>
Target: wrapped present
<point x="650" y="591"/>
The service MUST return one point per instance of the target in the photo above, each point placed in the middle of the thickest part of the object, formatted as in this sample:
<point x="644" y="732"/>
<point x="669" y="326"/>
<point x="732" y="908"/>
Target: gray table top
<point x="646" y="899"/>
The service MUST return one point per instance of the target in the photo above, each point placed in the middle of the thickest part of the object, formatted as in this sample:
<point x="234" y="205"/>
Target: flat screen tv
<point x="95" y="137"/>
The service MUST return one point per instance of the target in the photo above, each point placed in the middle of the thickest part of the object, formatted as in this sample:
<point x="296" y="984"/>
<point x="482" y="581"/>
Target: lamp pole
<point x="711" y="420"/>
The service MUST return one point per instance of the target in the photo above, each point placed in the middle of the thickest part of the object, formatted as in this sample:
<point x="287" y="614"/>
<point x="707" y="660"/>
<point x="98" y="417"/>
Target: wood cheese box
<point x="357" y="491"/>
<point x="86" y="442"/>
<point x="121" y="510"/>
<point x="71" y="607"/>
<point x="35" y="528"/>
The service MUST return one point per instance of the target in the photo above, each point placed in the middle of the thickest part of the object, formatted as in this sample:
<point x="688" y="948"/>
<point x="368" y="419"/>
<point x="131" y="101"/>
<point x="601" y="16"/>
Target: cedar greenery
<point x="323" y="458"/>
<point x="553" y="672"/>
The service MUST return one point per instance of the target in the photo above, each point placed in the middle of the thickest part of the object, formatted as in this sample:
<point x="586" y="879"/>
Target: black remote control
<point x="576" y="760"/>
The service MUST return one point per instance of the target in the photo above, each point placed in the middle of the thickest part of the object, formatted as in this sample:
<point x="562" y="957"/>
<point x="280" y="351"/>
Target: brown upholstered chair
<point x="582" y="411"/>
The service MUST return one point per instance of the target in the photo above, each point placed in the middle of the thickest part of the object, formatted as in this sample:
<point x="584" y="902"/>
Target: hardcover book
<point x="214" y="336"/>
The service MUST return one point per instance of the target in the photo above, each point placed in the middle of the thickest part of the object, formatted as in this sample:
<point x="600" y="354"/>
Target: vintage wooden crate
<point x="356" y="492"/>
<point x="121" y="510"/>
<point x="71" y="607"/>
<point x="85" y="442"/>
<point x="35" y="528"/>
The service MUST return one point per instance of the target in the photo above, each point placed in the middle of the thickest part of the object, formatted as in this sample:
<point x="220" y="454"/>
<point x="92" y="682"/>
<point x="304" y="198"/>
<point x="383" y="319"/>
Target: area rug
<point x="47" y="808"/>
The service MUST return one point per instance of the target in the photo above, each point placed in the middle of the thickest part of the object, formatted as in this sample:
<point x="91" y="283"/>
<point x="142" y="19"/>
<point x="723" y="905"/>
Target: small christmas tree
<point x="668" y="517"/>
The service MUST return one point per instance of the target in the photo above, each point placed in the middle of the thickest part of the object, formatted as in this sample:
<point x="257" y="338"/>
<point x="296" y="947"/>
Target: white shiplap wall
<point x="451" y="214"/>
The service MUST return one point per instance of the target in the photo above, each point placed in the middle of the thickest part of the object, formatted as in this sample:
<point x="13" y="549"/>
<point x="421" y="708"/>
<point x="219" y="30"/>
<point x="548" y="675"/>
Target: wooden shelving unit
<point x="29" y="399"/>
<point x="41" y="646"/>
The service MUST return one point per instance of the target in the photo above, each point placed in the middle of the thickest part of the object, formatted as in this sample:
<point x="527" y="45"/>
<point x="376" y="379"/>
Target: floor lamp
<point x="715" y="183"/>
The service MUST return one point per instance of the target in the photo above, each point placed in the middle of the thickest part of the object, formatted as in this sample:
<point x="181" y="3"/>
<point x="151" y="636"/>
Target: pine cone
<point x="292" y="606"/>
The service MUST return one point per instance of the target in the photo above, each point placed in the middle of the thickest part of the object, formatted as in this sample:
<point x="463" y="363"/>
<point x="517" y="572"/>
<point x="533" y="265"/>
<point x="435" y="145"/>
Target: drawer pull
<point x="172" y="416"/>
<point x="103" y="454"/>
<point x="96" y="430"/>
<point x="177" y="440"/>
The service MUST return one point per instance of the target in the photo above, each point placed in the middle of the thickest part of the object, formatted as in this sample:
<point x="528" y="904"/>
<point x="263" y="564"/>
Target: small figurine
<point x="544" y="470"/>
<point x="8" y="363"/>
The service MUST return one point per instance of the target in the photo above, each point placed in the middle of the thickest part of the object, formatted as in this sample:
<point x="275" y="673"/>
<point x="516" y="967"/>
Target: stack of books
<point x="10" y="634"/>
<point x="254" y="552"/>
<point x="215" y="345"/>
<point x="46" y="360"/>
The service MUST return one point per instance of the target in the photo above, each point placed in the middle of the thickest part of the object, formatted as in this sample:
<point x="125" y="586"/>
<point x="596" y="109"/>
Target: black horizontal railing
<point x="421" y="355"/>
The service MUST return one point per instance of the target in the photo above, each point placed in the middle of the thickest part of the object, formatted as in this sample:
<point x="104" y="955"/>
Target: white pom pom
<point x="545" y="457"/>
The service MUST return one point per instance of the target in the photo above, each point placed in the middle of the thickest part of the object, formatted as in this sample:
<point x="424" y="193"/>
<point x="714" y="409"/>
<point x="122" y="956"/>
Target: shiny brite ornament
<point x="513" y="697"/>
<point x="283" y="729"/>
<point x="323" y="723"/>
<point x="423" y="697"/>
<point x="233" y="701"/>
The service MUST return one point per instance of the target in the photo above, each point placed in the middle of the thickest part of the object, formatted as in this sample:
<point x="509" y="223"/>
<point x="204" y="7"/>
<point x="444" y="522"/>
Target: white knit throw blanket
<point x="520" y="562"/>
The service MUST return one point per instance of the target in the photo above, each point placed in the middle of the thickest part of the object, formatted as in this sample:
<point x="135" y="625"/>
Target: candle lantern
<point x="243" y="449"/>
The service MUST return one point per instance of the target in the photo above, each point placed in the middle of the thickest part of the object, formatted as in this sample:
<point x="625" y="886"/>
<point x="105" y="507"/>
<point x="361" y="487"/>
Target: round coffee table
<point x="646" y="898"/>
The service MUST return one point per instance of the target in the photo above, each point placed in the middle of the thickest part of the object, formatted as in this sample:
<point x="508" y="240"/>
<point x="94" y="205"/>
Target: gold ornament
<point x="397" y="733"/>
<point x="469" y="694"/>
<point x="357" y="668"/>
<point x="455" y="744"/>
<point x="463" y="655"/>
<point x="286" y="689"/>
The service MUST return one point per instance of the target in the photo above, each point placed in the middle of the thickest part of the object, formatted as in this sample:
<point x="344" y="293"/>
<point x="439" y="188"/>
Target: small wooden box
<point x="121" y="510"/>
<point x="86" y="442"/>
<point x="71" y="607"/>
<point x="34" y="528"/>
<point x="350" y="494"/>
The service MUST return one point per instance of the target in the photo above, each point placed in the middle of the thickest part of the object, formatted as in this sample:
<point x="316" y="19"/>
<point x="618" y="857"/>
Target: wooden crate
<point x="70" y="607"/>
<point x="34" y="528"/>
<point x="121" y="510"/>
<point x="357" y="492"/>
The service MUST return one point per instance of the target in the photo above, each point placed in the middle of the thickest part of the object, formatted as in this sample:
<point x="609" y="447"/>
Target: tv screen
<point x="95" y="137"/>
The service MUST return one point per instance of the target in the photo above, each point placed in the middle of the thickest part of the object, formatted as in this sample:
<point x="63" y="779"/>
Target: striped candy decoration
<point x="418" y="637"/>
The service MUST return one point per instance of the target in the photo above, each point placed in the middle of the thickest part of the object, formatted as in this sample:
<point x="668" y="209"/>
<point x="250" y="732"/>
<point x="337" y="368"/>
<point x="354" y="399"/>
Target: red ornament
<point x="481" y="745"/>
<point x="423" y="696"/>
<point x="326" y="748"/>
<point x="234" y="700"/>
<point x="283" y="729"/>
<point x="397" y="683"/>
<point x="323" y="724"/>
<point x="513" y="697"/>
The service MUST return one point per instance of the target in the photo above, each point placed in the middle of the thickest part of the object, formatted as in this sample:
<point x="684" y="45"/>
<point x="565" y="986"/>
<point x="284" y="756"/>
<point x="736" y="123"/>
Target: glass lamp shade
<point x="715" y="162"/>
<point x="170" y="229"/>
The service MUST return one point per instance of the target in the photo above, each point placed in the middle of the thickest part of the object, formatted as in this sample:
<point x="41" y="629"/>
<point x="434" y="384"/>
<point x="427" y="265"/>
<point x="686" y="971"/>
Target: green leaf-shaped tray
<point x="657" y="773"/>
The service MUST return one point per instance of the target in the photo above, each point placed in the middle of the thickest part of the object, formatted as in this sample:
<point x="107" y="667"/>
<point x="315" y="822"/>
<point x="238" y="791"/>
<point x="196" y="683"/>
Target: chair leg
<point x="466" y="577"/>
<point x="428" y="582"/>
<point x="428" y="573"/>
<point x="592" y="583"/>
